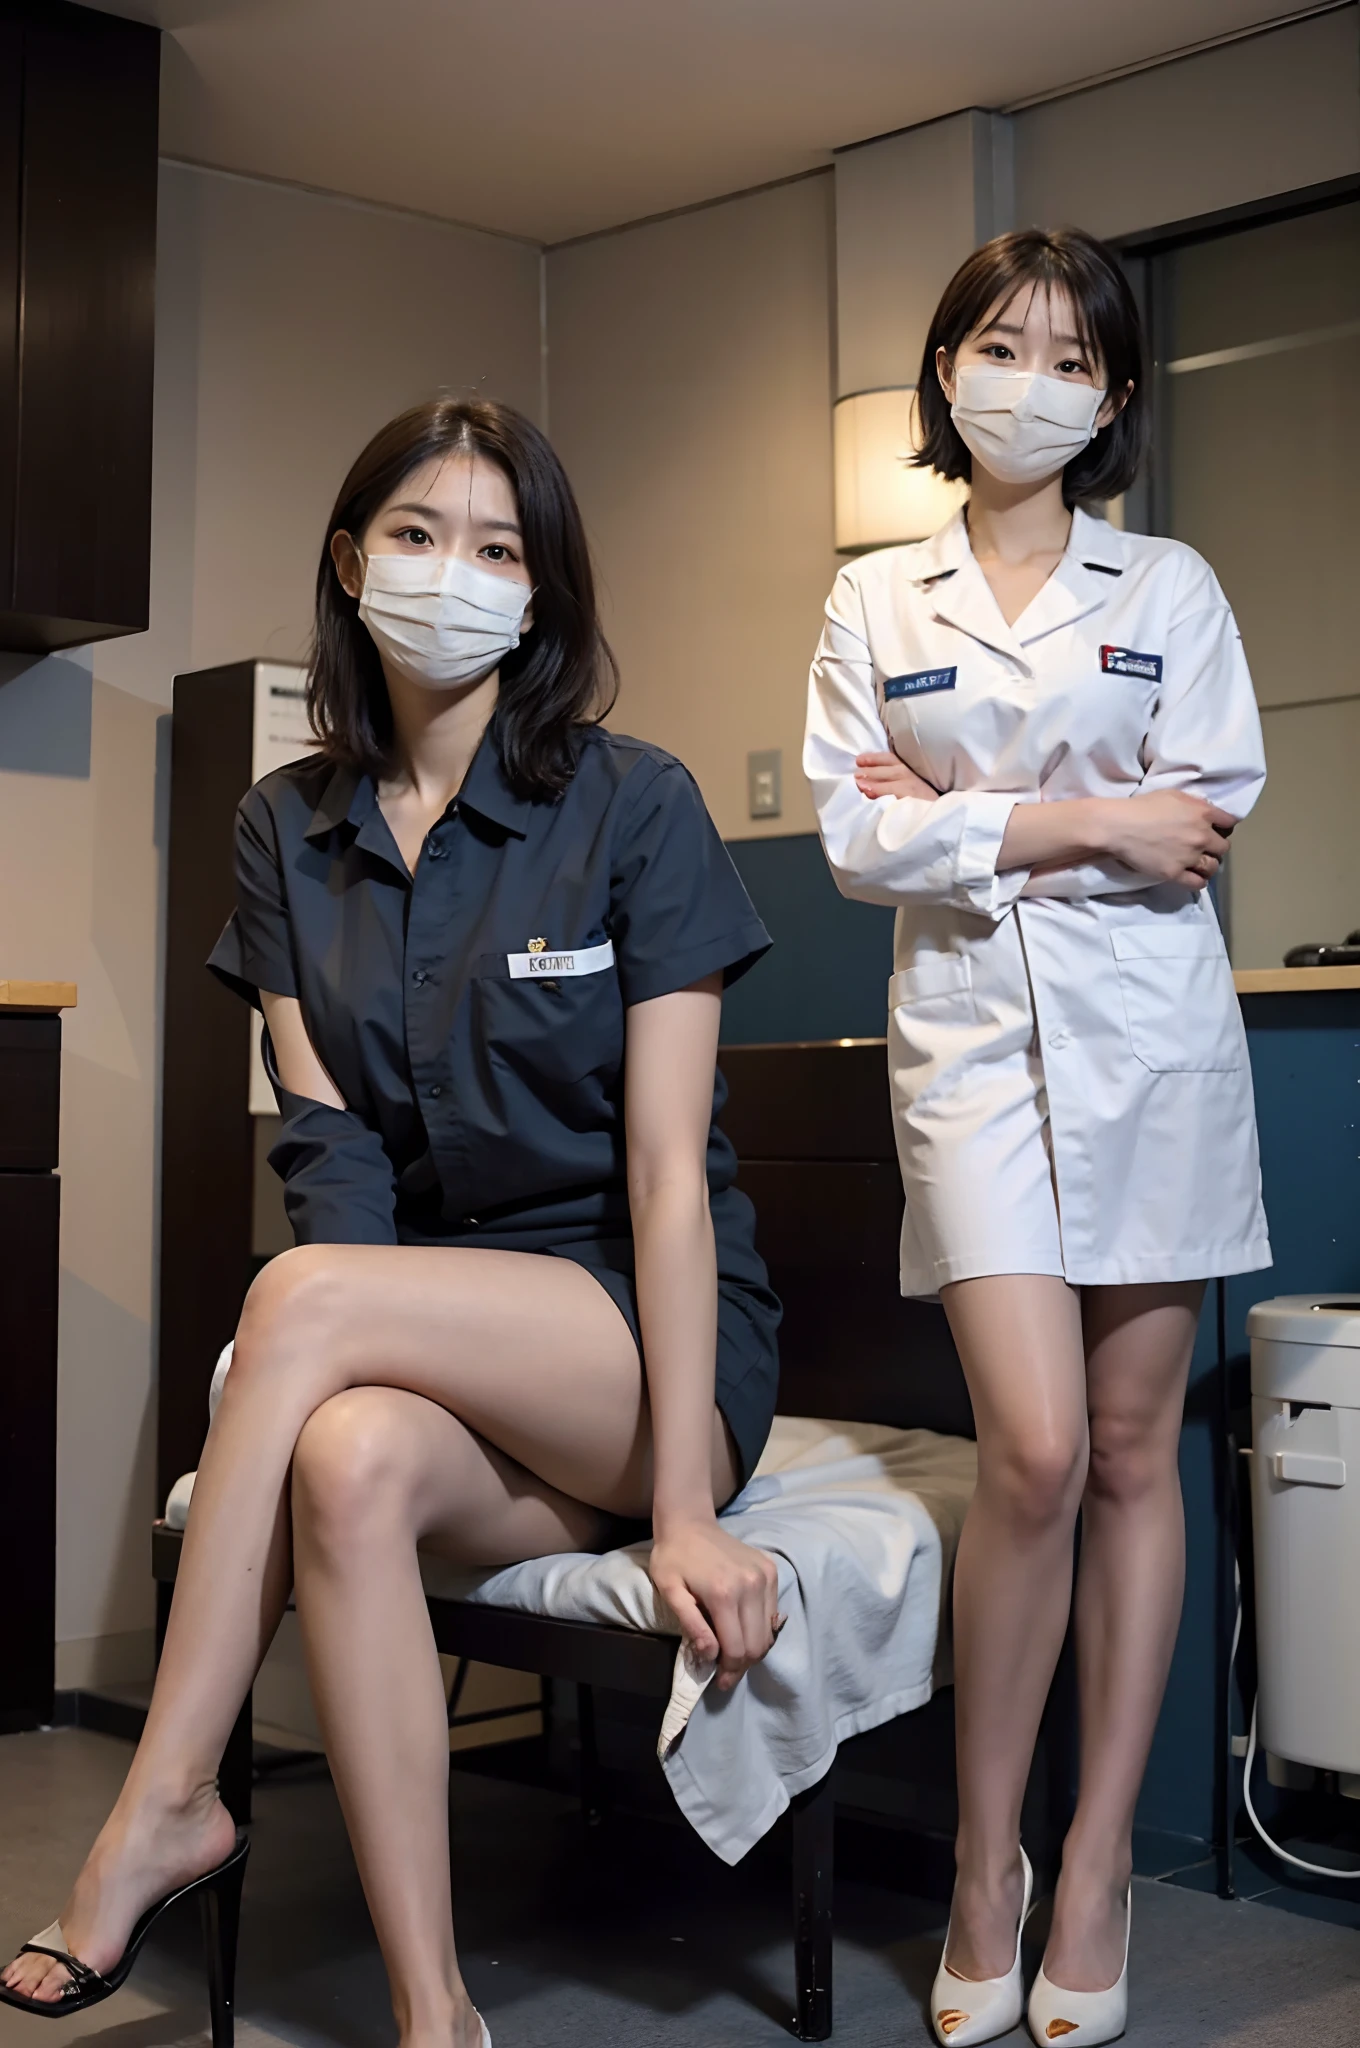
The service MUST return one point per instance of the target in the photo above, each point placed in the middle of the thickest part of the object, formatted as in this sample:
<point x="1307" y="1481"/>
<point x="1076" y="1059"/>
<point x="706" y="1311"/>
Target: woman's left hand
<point x="884" y="775"/>
<point x="724" y="1594"/>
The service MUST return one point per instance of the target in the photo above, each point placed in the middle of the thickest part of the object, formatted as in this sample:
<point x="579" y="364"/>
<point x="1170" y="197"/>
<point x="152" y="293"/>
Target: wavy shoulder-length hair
<point x="560" y="678"/>
<point x="1087" y="274"/>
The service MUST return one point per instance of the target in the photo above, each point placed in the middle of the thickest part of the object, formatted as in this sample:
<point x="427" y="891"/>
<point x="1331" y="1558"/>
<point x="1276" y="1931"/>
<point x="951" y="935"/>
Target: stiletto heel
<point x="85" y="1987"/>
<point x="966" y="2010"/>
<point x="220" y="1908"/>
<point x="1083" y="2018"/>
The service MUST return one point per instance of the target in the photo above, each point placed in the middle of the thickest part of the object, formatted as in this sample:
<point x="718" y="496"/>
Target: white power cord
<point x="1313" y="1869"/>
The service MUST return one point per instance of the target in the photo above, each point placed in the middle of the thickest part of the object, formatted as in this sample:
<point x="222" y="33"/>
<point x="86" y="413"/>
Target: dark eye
<point x="497" y="551"/>
<point x="999" y="352"/>
<point x="1072" y="367"/>
<point x="416" y="535"/>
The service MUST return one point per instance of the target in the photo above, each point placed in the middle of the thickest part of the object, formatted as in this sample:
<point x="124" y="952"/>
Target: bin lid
<point x="1308" y="1319"/>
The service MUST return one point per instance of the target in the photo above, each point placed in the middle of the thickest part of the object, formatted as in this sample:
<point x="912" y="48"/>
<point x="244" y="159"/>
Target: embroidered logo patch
<point x="1122" y="661"/>
<point x="921" y="684"/>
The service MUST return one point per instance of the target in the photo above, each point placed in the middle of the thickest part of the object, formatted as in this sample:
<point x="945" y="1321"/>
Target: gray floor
<point x="637" y="1936"/>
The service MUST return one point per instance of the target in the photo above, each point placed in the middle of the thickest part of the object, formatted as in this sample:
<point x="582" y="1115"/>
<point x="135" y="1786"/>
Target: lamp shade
<point x="880" y="499"/>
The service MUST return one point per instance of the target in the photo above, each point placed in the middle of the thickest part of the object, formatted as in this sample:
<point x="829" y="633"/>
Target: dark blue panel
<point x="826" y="976"/>
<point x="1305" y="1062"/>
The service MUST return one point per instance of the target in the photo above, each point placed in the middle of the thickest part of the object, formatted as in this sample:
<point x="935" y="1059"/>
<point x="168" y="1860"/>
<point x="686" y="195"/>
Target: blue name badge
<point x="921" y="684"/>
<point x="1122" y="661"/>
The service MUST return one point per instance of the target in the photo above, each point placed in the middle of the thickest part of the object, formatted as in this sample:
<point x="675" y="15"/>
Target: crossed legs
<point x="491" y="1404"/>
<point x="1077" y="1400"/>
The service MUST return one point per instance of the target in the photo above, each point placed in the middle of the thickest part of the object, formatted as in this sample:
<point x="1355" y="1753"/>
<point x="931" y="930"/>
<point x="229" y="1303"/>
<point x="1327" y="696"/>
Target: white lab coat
<point x="1069" y="1071"/>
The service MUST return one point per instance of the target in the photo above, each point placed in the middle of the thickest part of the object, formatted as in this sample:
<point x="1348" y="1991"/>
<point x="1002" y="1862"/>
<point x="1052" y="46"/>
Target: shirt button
<point x="436" y="1090"/>
<point x="472" y="1223"/>
<point x="437" y="853"/>
<point x="1058" y="1039"/>
<point x="420" y="977"/>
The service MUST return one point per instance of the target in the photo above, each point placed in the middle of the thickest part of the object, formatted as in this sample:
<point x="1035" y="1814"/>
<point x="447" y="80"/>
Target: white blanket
<point x="863" y="1522"/>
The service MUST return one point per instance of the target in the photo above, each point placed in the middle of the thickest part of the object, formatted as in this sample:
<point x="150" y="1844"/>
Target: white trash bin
<point x="1305" y="1419"/>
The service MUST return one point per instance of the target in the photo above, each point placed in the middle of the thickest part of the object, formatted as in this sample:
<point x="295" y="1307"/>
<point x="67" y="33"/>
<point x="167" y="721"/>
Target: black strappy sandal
<point x="219" y="1899"/>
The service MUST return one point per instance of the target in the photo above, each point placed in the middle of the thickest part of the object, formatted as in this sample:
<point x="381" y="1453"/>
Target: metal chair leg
<point x="814" y="1837"/>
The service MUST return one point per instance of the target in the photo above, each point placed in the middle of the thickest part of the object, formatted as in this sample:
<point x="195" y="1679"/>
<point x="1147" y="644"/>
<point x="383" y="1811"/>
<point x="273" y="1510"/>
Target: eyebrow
<point x="1005" y="327"/>
<point x="433" y="512"/>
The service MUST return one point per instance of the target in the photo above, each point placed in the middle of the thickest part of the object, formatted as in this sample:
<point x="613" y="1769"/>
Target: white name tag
<point x="553" y="966"/>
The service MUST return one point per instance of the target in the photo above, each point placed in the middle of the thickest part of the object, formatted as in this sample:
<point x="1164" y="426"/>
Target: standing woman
<point x="1033" y="735"/>
<point x="489" y="939"/>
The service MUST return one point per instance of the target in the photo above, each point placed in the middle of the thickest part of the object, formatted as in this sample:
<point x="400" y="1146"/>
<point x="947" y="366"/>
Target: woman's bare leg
<point x="1130" y="1585"/>
<point x="375" y="1473"/>
<point x="529" y="1351"/>
<point x="1020" y="1339"/>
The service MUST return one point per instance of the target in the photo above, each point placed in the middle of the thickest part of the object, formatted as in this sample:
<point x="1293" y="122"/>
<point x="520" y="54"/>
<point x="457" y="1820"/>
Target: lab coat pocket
<point x="941" y="978"/>
<point x="1179" y="1000"/>
<point x="932" y="1023"/>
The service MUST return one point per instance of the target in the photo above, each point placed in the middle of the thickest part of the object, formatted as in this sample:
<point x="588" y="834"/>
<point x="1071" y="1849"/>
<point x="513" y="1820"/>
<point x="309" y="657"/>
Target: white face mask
<point x="1021" y="426"/>
<point x="439" y="620"/>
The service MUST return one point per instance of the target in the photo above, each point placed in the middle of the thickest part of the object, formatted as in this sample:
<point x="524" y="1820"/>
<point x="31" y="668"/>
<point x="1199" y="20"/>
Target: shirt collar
<point x="350" y="797"/>
<point x="486" y="791"/>
<point x="347" y="799"/>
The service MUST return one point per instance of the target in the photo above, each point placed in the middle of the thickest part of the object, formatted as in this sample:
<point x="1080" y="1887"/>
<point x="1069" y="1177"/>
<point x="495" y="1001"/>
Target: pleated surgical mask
<point x="440" y="620"/>
<point x="1019" y="425"/>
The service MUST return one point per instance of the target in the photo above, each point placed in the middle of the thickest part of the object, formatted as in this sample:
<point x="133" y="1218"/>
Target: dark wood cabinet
<point x="78" y="127"/>
<point x="30" y="1213"/>
<point x="207" y="1141"/>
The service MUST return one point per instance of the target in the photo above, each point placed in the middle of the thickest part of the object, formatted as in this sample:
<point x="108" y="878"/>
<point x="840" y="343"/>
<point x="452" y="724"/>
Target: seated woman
<point x="490" y="940"/>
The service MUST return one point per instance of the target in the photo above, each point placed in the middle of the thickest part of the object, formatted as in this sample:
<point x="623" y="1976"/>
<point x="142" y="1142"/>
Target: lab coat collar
<point x="959" y="593"/>
<point x="1090" y="569"/>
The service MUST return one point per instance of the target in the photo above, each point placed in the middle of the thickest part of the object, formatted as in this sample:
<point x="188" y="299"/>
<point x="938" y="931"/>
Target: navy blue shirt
<point x="472" y="1014"/>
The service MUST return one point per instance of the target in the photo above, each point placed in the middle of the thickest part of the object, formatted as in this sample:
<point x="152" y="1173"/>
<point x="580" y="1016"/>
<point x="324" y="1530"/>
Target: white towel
<point x="863" y="1522"/>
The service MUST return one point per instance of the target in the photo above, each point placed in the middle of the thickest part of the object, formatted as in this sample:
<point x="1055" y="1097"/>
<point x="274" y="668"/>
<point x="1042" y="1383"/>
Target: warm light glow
<point x="880" y="498"/>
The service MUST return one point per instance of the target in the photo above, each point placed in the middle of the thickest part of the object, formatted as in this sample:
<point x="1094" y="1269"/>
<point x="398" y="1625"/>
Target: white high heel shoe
<point x="1083" y="2018"/>
<point x="965" y="2010"/>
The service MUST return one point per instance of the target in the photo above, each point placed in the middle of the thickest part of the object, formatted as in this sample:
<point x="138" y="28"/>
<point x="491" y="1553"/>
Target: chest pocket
<point x="1179" y="1000"/>
<point x="557" y="1029"/>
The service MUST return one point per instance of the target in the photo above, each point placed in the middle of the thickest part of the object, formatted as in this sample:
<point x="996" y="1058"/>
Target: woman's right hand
<point x="1168" y="834"/>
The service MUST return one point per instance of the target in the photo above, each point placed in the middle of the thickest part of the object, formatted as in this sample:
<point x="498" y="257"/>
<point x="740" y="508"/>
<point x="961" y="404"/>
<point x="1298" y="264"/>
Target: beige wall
<point x="1268" y="115"/>
<point x="689" y="369"/>
<point x="289" y="327"/>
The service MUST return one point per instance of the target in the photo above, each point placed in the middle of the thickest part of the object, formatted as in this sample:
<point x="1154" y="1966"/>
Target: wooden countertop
<point x="37" y="995"/>
<point x="1288" y="981"/>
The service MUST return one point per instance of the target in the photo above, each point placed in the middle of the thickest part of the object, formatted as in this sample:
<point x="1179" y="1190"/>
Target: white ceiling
<point x="552" y="118"/>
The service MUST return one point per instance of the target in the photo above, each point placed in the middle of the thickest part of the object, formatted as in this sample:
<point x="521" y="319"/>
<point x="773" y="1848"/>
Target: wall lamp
<point x="880" y="499"/>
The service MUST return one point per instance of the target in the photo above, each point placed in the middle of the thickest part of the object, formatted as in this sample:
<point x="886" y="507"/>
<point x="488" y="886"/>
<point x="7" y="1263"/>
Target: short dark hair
<point x="1064" y="260"/>
<point x="562" y="675"/>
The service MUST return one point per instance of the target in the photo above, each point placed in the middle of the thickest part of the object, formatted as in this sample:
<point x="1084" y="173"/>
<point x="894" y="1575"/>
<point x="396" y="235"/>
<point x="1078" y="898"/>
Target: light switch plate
<point x="764" y="783"/>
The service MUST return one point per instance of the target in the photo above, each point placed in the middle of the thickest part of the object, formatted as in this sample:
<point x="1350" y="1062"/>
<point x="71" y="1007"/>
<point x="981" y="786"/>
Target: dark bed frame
<point x="813" y="1132"/>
